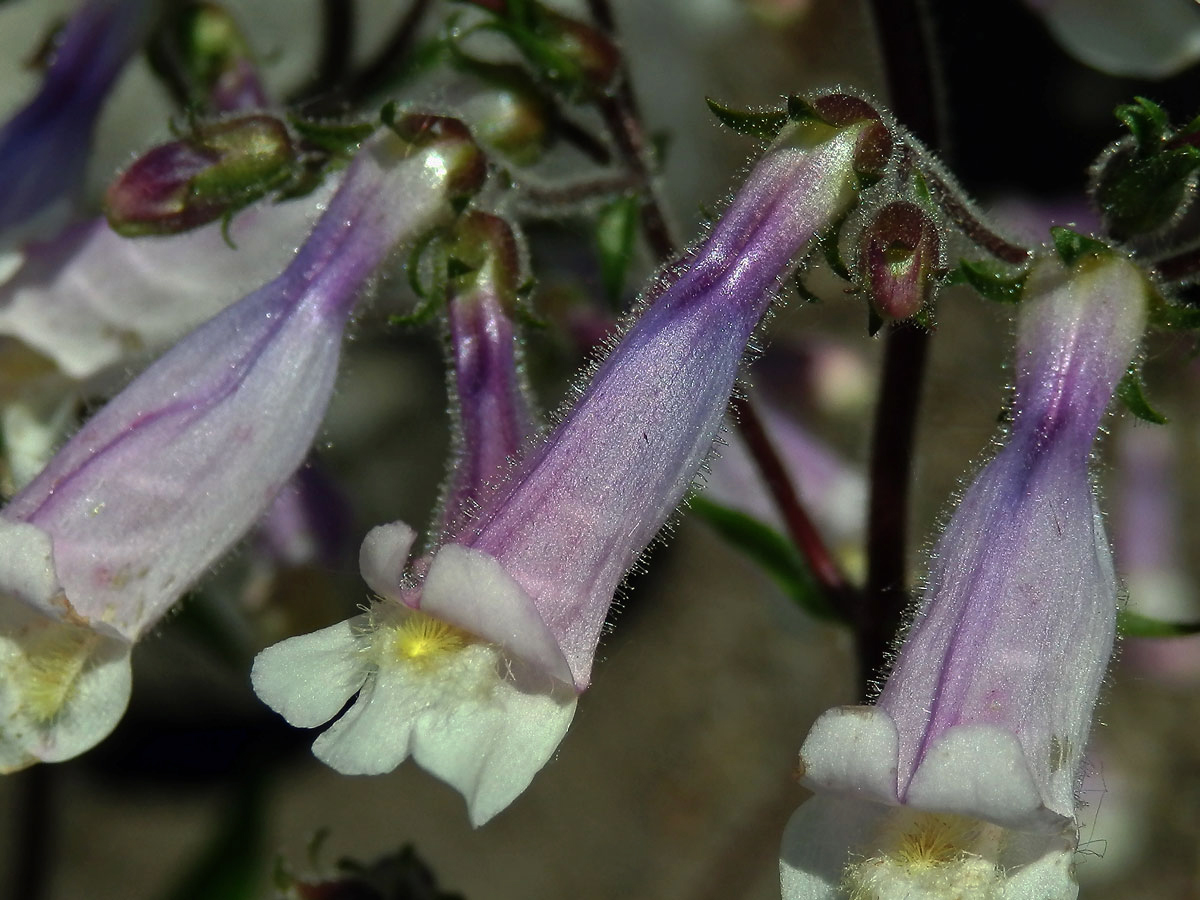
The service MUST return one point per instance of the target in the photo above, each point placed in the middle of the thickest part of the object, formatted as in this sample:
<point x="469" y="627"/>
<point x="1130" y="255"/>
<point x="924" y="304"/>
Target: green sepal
<point x="1146" y="121"/>
<point x="777" y="556"/>
<point x="429" y="297"/>
<point x="1131" y="624"/>
<point x="800" y="110"/>
<point x="1130" y="391"/>
<point x="918" y="189"/>
<point x="1072" y="246"/>
<point x="1146" y="193"/>
<point x="1172" y="317"/>
<point x="616" y="236"/>
<point x="991" y="280"/>
<point x="456" y="268"/>
<point x="828" y="245"/>
<point x="226" y="222"/>
<point x="764" y="125"/>
<point x="802" y="291"/>
<point x="335" y="138"/>
<point x="875" y="321"/>
<point x="524" y="314"/>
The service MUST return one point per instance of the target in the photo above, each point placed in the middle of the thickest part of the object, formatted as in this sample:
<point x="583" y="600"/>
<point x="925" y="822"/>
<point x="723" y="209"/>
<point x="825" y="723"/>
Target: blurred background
<point x="677" y="775"/>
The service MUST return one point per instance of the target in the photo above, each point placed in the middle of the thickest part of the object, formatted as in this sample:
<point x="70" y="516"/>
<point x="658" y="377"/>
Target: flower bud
<point x="458" y="156"/>
<point x="218" y="169"/>
<point x="900" y="251"/>
<point x="508" y="113"/>
<point x="202" y="43"/>
<point x="574" y="56"/>
<point x="494" y="415"/>
<point x="873" y="148"/>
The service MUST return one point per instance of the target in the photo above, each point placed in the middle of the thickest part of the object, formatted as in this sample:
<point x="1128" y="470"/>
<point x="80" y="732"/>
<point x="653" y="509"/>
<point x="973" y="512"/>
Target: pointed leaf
<point x="992" y="281"/>
<point x="1131" y="624"/>
<point x="752" y="124"/>
<point x="1146" y="121"/>
<point x="616" y="234"/>
<point x="1072" y="246"/>
<point x="1130" y="391"/>
<point x="770" y="550"/>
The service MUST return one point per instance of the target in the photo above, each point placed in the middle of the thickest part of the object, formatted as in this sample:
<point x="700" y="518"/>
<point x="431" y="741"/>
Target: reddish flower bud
<point x="218" y="169"/>
<point x="900" y="249"/>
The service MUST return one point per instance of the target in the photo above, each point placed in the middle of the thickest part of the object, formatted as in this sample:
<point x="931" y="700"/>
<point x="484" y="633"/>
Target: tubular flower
<point x="960" y="781"/>
<point x="494" y="414"/>
<point x="44" y="147"/>
<point x="473" y="659"/>
<point x="175" y="469"/>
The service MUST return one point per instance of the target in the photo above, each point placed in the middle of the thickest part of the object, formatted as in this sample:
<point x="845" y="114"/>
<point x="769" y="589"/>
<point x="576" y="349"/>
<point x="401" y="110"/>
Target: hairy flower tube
<point x="495" y="417"/>
<point x="960" y="781"/>
<point x="89" y="299"/>
<point x="175" y="469"/>
<point x="472" y="660"/>
<point x="44" y="147"/>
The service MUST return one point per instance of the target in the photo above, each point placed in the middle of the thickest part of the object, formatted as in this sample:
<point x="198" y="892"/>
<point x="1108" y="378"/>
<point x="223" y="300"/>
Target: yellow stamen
<point x="936" y="856"/>
<point x="52" y="659"/>
<point x="418" y="638"/>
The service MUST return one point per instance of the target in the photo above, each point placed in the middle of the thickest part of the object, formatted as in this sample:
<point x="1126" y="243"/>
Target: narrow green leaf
<point x="1073" y="246"/>
<point x="1143" y="195"/>
<point x="799" y="109"/>
<point x="828" y="244"/>
<point x="616" y="236"/>
<point x="752" y="124"/>
<point x="993" y="281"/>
<point x="338" y="138"/>
<point x="802" y="291"/>
<point x="770" y="550"/>
<point x="1172" y="317"/>
<point x="1130" y="391"/>
<point x="1131" y="624"/>
<point x="1146" y="121"/>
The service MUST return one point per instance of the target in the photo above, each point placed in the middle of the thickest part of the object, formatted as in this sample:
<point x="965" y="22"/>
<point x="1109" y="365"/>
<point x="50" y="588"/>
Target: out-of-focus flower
<point x="1146" y="536"/>
<point x="44" y="146"/>
<point x="472" y="661"/>
<point x="89" y="298"/>
<point x="960" y="781"/>
<point x="175" y="469"/>
<point x="202" y="52"/>
<point x="1147" y="39"/>
<point x="832" y="490"/>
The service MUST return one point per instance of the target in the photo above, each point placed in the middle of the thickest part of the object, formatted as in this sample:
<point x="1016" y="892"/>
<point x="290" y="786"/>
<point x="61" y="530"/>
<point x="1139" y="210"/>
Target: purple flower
<point x="495" y="417"/>
<point x="961" y="780"/>
<point x="175" y="469"/>
<point x="472" y="660"/>
<point x="44" y="147"/>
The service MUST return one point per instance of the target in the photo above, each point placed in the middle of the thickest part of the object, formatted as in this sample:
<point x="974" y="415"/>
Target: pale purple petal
<point x="580" y="509"/>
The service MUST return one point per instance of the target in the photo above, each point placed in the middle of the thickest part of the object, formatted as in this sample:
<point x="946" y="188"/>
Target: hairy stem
<point x="800" y="527"/>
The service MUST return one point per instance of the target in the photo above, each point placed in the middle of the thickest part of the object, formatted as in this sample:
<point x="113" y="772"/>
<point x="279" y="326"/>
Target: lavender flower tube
<point x="175" y="469"/>
<point x="961" y="780"/>
<point x="472" y="662"/>
<point x="495" y="416"/>
<point x="44" y="147"/>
